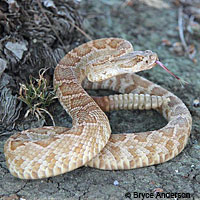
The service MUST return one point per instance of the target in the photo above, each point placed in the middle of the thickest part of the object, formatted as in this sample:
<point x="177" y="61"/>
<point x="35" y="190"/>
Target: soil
<point x="148" y="25"/>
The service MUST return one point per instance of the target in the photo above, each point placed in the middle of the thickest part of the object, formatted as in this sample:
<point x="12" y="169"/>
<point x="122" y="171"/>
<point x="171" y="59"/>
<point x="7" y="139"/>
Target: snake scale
<point x="108" y="63"/>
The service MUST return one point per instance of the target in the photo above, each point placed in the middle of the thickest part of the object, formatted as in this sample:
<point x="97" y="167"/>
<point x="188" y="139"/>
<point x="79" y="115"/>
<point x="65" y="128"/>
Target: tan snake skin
<point x="50" y="151"/>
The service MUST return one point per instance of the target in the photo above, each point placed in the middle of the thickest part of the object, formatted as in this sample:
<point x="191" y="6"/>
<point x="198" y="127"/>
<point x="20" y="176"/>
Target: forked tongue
<point x="166" y="69"/>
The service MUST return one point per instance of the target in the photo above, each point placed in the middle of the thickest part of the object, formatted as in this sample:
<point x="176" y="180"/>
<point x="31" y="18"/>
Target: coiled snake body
<point x="50" y="151"/>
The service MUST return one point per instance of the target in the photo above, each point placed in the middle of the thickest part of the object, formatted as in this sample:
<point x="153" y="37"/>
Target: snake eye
<point x="148" y="51"/>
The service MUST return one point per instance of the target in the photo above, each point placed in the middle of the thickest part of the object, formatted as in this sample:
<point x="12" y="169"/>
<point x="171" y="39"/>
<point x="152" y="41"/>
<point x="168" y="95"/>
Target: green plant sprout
<point x="37" y="95"/>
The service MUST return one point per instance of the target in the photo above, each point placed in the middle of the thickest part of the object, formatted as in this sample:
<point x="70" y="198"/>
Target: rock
<point x="10" y="108"/>
<point x="17" y="48"/>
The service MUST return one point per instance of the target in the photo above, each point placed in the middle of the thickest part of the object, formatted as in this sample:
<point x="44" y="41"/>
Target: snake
<point x="106" y="63"/>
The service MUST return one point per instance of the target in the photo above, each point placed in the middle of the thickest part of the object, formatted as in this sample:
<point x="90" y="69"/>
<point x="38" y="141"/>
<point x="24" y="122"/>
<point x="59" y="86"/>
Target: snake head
<point x="109" y="66"/>
<point x="138" y="61"/>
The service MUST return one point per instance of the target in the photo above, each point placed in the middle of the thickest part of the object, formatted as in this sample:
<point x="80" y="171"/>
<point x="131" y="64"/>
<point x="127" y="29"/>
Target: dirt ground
<point x="146" y="24"/>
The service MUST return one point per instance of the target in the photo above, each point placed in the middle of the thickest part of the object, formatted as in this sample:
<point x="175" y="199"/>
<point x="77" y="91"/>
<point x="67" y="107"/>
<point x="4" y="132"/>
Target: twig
<point x="180" y="29"/>
<point x="42" y="9"/>
<point x="80" y="30"/>
<point x="6" y="133"/>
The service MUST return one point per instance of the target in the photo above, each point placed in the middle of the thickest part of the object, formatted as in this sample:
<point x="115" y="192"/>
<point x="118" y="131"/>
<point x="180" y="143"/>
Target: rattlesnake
<point x="50" y="151"/>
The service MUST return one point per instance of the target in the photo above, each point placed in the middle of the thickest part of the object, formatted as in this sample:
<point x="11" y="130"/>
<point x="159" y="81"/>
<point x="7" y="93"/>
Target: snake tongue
<point x="165" y="68"/>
